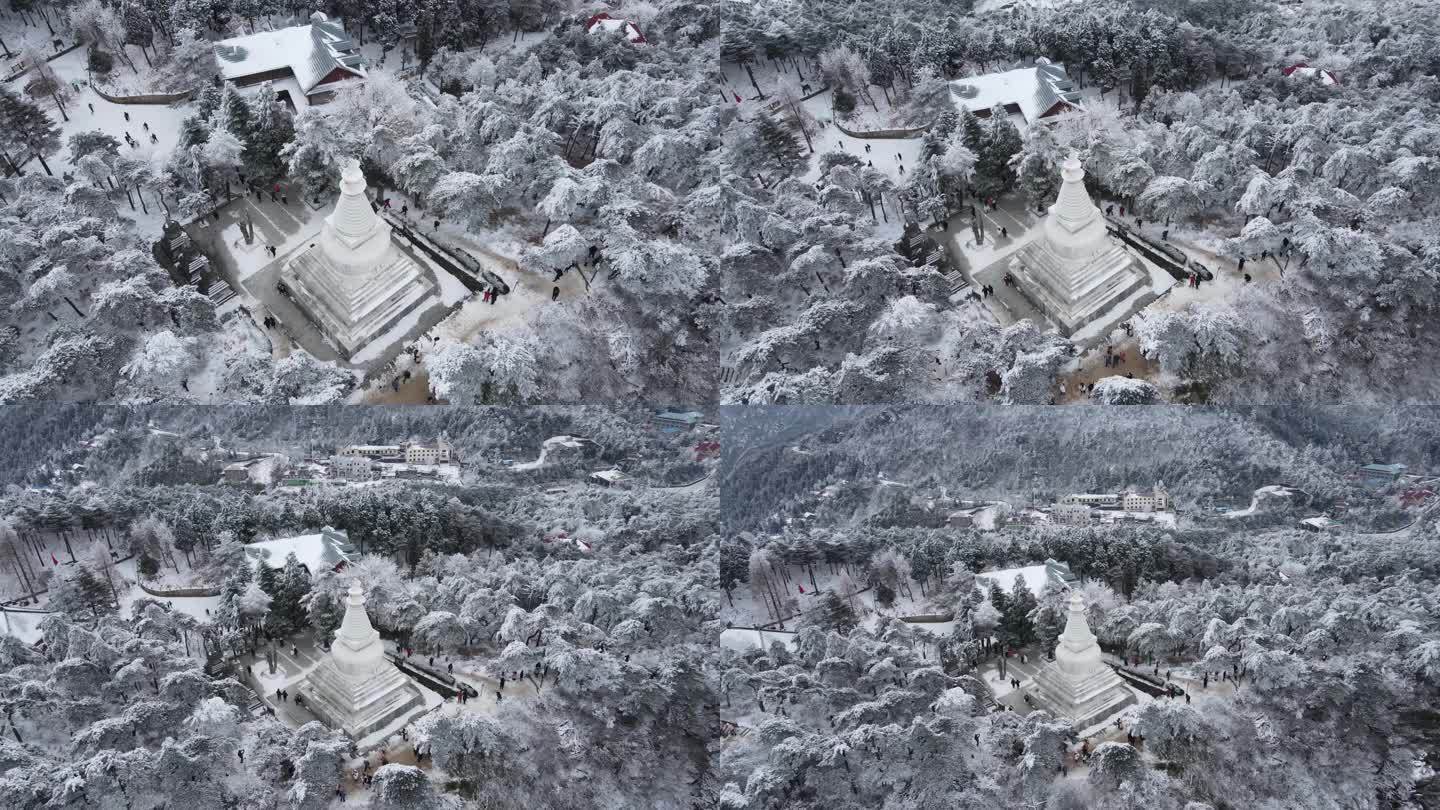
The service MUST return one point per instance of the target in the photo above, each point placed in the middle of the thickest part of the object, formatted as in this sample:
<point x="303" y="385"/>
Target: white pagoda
<point x="1075" y="272"/>
<point x="352" y="281"/>
<point x="1077" y="685"/>
<point x="356" y="690"/>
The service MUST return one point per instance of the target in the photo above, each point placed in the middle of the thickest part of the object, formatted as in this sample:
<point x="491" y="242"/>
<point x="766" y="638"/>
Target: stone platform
<point x="352" y="281"/>
<point x="1077" y="685"/>
<point x="356" y="689"/>
<point x="1075" y="272"/>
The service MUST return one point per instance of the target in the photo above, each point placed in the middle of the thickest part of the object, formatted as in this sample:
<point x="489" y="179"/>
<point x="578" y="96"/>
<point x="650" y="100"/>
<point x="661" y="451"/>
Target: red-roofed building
<point x="1300" y="70"/>
<point x="604" y="23"/>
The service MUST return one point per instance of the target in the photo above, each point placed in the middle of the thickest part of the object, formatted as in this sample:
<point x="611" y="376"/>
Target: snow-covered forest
<point x="574" y="614"/>
<point x="1286" y="147"/>
<point x="1271" y="666"/>
<point x="544" y="148"/>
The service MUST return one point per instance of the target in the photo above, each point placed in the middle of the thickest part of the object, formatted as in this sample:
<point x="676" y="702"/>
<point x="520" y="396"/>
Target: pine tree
<point x="25" y="128"/>
<point x="287" y="612"/>
<point x="138" y="30"/>
<point x="146" y="565"/>
<point x="1016" y="619"/>
<point x="974" y="133"/>
<point x="836" y="614"/>
<point x="269" y="580"/>
<point x="780" y="143"/>
<point x="325" y="609"/>
<point x="1001" y="141"/>
<point x="234" y="114"/>
<point x="271" y="128"/>
<point x="76" y="589"/>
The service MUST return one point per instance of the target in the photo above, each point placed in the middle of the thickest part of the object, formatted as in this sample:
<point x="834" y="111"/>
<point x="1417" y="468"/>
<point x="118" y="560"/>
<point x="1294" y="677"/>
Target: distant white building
<point x="1027" y="94"/>
<point x="372" y="451"/>
<point x="672" y="420"/>
<point x="1157" y="501"/>
<point x="609" y="477"/>
<point x="1103" y="499"/>
<point x="1071" y="514"/>
<point x="440" y="453"/>
<point x="352" y="468"/>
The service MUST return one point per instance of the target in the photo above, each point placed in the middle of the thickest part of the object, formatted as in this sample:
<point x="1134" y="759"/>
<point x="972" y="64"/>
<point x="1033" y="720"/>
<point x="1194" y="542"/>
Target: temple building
<point x="1026" y="95"/>
<point x="305" y="64"/>
<point x="356" y="689"/>
<point x="1077" y="685"/>
<point x="352" y="281"/>
<point x="1075" y="272"/>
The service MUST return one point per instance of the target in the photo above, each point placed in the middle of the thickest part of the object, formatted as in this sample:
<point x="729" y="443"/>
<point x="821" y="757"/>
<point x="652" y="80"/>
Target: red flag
<point x="737" y="97"/>
<point x="52" y="558"/>
<point x="801" y="587"/>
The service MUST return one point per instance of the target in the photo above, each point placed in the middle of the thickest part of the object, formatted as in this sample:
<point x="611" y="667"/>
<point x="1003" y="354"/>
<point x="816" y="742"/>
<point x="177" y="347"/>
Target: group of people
<point x="1113" y="359"/>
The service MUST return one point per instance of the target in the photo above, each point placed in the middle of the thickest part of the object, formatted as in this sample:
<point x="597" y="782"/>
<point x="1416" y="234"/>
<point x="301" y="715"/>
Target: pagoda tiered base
<point x="1071" y="295"/>
<point x="354" y="308"/>
<point x="1085" y="700"/>
<point x="359" y="706"/>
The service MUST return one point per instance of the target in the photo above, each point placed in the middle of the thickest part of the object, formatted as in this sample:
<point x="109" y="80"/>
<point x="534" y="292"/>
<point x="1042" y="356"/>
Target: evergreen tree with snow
<point x="780" y="143"/>
<point x="27" y="130"/>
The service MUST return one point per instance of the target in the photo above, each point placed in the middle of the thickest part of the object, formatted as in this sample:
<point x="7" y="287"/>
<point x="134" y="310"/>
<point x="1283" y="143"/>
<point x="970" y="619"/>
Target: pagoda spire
<point x="1073" y="207"/>
<point x="355" y="631"/>
<point x="353" y="233"/>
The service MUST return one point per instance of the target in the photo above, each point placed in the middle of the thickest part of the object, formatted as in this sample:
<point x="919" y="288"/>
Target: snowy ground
<point x="892" y="156"/>
<point x="26" y="625"/>
<point x="163" y="120"/>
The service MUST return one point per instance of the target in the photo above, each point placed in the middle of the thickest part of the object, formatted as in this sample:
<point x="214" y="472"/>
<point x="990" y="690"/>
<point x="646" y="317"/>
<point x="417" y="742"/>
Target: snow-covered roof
<point x="317" y="552"/>
<point x="1035" y="578"/>
<point x="1035" y="90"/>
<point x="680" y="416"/>
<point x="1304" y="71"/>
<point x="606" y="24"/>
<point x="609" y="476"/>
<point x="311" y="52"/>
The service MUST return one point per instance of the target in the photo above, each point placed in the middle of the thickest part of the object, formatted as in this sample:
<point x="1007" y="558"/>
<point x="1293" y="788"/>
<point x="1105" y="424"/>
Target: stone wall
<point x="881" y="134"/>
<point x="153" y="98"/>
<point x="179" y="591"/>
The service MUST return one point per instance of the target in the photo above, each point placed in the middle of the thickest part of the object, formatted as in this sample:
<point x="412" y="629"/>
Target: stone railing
<point x="931" y="618"/>
<point x="882" y="134"/>
<point x="179" y="591"/>
<point x="152" y="98"/>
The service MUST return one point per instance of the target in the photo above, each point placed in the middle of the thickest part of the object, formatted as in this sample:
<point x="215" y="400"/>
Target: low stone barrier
<point x="153" y="98"/>
<point x="180" y="591"/>
<point x="931" y="618"/>
<point x="884" y="134"/>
